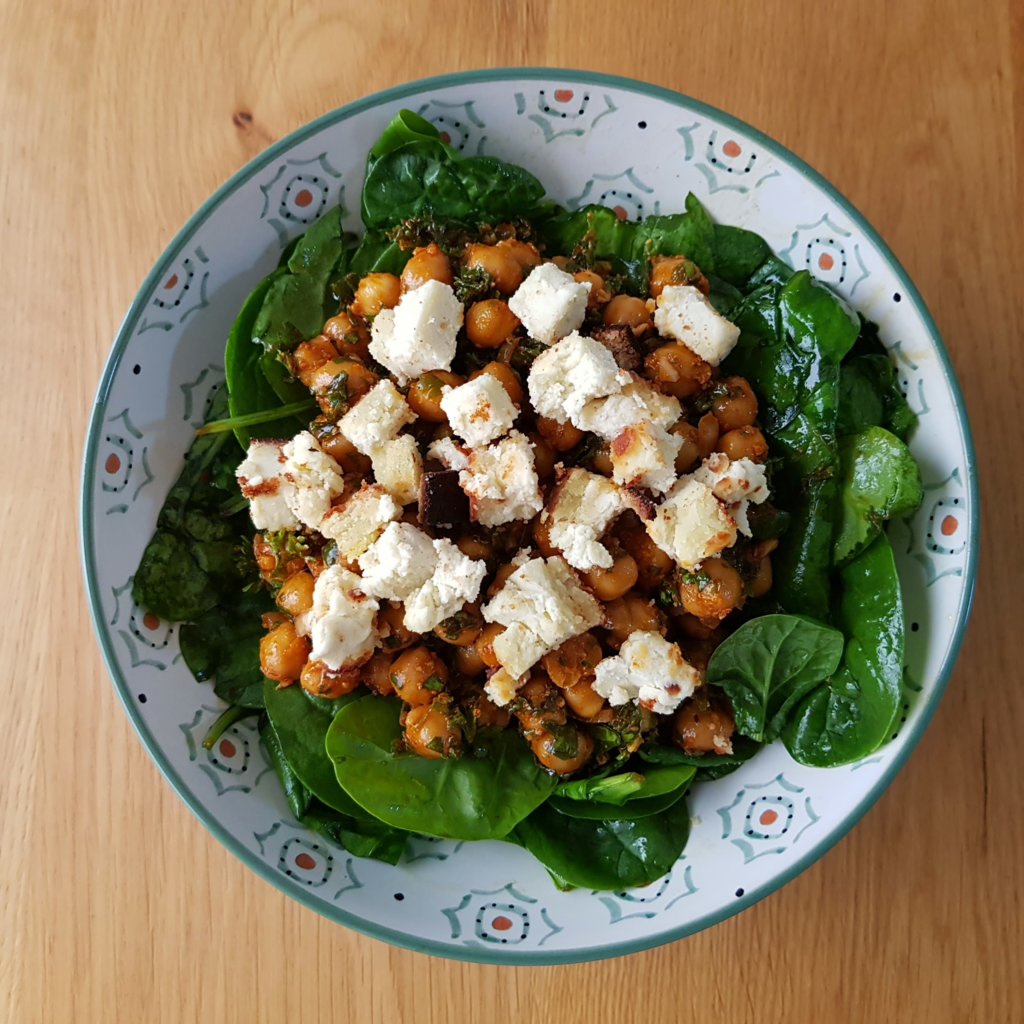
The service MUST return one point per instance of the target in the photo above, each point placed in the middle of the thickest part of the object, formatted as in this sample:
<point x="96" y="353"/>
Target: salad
<point x="515" y="522"/>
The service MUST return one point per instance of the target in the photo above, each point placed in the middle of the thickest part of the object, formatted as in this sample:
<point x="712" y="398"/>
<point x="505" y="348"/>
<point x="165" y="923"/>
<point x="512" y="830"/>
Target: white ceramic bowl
<point x="588" y="138"/>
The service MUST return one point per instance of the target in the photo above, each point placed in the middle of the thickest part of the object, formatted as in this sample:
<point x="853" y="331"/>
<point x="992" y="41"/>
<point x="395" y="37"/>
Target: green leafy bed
<point x="820" y="666"/>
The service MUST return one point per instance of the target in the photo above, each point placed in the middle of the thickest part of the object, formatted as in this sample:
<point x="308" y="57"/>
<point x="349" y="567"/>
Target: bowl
<point x="589" y="138"/>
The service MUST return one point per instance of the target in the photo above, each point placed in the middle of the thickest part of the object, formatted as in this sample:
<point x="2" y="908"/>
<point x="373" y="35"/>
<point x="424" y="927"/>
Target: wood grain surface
<point x="117" y="119"/>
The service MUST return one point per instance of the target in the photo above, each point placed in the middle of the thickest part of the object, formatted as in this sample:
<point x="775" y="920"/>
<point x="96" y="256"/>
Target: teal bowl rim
<point x="397" y="938"/>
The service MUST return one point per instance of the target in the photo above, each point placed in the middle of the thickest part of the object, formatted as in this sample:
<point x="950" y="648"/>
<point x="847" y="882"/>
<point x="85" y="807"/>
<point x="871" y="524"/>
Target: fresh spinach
<point x="768" y="665"/>
<point x="295" y="792"/>
<point x="481" y="795"/>
<point x="362" y="837"/>
<point x="638" y="795"/>
<point x="707" y="766"/>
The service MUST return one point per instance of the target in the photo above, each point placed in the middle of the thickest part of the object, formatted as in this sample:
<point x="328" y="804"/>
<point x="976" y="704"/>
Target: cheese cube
<point x="398" y="466"/>
<point x="501" y="686"/>
<point x="684" y="313"/>
<point x="691" y="524"/>
<point x="377" y="417"/>
<point x="419" y="333"/>
<point x="480" y="410"/>
<point x="580" y="508"/>
<point x="398" y="562"/>
<point x="360" y="520"/>
<point x="501" y="481"/>
<point x="342" y="620"/>
<point x="259" y="477"/>
<point x="636" y="402"/>
<point x="313" y="479"/>
<point x="645" y="456"/>
<point x="738" y="484"/>
<point x="648" y="670"/>
<point x="563" y="379"/>
<point x="456" y="579"/>
<point x="448" y="453"/>
<point x="550" y="303"/>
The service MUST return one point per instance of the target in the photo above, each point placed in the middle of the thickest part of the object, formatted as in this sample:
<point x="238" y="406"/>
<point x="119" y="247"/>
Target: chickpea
<point x="475" y="547"/>
<point x="542" y="537"/>
<point x="376" y="292"/>
<point x="296" y="594"/>
<point x="339" y="383"/>
<point x="488" y="715"/>
<point x="490" y="323"/>
<point x="744" y="443"/>
<point x="343" y="451"/>
<point x="270" y="566"/>
<point x="503" y="573"/>
<point x="653" y="565"/>
<point x="467" y="662"/>
<point x="689" y="454"/>
<point x="310" y="355"/>
<point x="551" y="751"/>
<point x="321" y="681"/>
<point x="668" y="270"/>
<point x="562" y="437"/>
<point x="611" y="583"/>
<point x="349" y="336"/>
<point x="712" y="592"/>
<point x="484" y="645"/>
<point x="499" y="262"/>
<point x="703" y="727"/>
<point x="734" y="404"/>
<point x="523" y="253"/>
<point x="599" y="294"/>
<point x="628" y="310"/>
<point x="428" y="263"/>
<point x="678" y="370"/>
<point x="391" y="627"/>
<point x="601" y="460"/>
<point x="283" y="653"/>
<point x="544" y="457"/>
<point x="707" y="434"/>
<point x="574" y="661"/>
<point x="583" y="701"/>
<point x="418" y="675"/>
<point x="430" y="733"/>
<point x="695" y="628"/>
<point x="627" y="615"/>
<point x="376" y="674"/>
<point x="508" y="378"/>
<point x="539" y="705"/>
<point x="426" y="392"/>
<point x="462" y="628"/>
<point x="762" y="579"/>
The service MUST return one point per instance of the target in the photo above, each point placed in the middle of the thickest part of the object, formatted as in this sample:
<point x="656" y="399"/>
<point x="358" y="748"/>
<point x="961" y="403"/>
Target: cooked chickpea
<point x="628" y="310"/>
<point x="426" y="392"/>
<point x="561" y="436"/>
<point x="544" y="457"/>
<point x="431" y="733"/>
<point x="627" y="615"/>
<point x="618" y="579"/>
<point x="270" y="566"/>
<point x="599" y="294"/>
<point x="576" y="659"/>
<point x="653" y="565"/>
<point x="678" y="370"/>
<point x="467" y="661"/>
<point x="583" y="701"/>
<point x="523" y="253"/>
<point x="712" y="592"/>
<point x="734" y="404"/>
<point x="462" y="628"/>
<point x="542" y="537"/>
<point x="296" y="594"/>
<point x="376" y="292"/>
<point x="707" y="434"/>
<point x="601" y="460"/>
<point x="689" y="453"/>
<point x="500" y="263"/>
<point x="761" y="582"/>
<point x="484" y="645"/>
<point x="475" y="547"/>
<point x="503" y="573"/>
<point x="350" y="337"/>
<point x="376" y="674"/>
<point x="668" y="270"/>
<point x="310" y="355"/>
<point x="391" y="627"/>
<point x="418" y="675"/>
<point x="321" y="681"/>
<point x="490" y="323"/>
<point x="508" y="378"/>
<point x="428" y="263"/>
<point x="703" y="728"/>
<point x="744" y="443"/>
<point x="551" y="751"/>
<point x="539" y="705"/>
<point x="283" y="653"/>
<point x="488" y="715"/>
<point x="326" y="381"/>
<point x="343" y="451"/>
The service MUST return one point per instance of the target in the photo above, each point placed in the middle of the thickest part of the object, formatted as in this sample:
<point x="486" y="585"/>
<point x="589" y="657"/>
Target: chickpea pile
<point x="439" y="677"/>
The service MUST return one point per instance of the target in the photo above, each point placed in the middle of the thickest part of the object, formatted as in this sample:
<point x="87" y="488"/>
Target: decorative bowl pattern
<point x="589" y="138"/>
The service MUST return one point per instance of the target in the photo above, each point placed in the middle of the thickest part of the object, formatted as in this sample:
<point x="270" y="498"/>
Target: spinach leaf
<point x="295" y="792"/>
<point x="377" y="254"/>
<point x="768" y="665"/>
<point x="223" y="645"/>
<point x="870" y="396"/>
<point x="362" y="837"/>
<point x="615" y="854"/>
<point x="301" y="729"/>
<point x="851" y="714"/>
<point x="624" y="787"/>
<point x="880" y="481"/>
<point x="743" y="749"/>
<point x="595" y="810"/>
<point x="481" y="795"/>
<point x="738" y="254"/>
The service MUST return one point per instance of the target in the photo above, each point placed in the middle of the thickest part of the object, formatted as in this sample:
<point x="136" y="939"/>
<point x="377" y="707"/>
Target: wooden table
<point x="116" y="120"/>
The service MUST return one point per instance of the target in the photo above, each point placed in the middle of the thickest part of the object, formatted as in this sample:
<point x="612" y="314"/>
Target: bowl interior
<point x="589" y="139"/>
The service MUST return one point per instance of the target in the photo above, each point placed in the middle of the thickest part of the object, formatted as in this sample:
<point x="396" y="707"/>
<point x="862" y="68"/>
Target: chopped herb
<point x="436" y="745"/>
<point x="337" y="393"/>
<point x="330" y="554"/>
<point x="668" y="595"/>
<point x="566" y="741"/>
<point x="700" y="580"/>
<point x="473" y="284"/>
<point x="434" y="684"/>
<point x="286" y="544"/>
<point x="525" y="352"/>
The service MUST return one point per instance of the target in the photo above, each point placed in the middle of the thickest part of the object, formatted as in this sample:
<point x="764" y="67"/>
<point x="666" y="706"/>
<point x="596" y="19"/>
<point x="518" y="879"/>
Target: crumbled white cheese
<point x="314" y="479"/>
<point x="691" y="524"/>
<point x="259" y="477"/>
<point x="341" y="621"/>
<point x="648" y="670"/>
<point x="573" y="372"/>
<point x="645" y="456"/>
<point x="738" y="483"/>
<point x="448" y="453"/>
<point x="360" y="520"/>
<point x="637" y="402"/>
<point x="480" y="410"/>
<point x="456" y="579"/>
<point x="501" y="686"/>
<point x="550" y="303"/>
<point x="398" y="467"/>
<point x="377" y="417"/>
<point x="400" y="561"/>
<point x="419" y="333"/>
<point x="501" y="481"/>
<point x="580" y="509"/>
<point x="542" y="605"/>
<point x="684" y="313"/>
